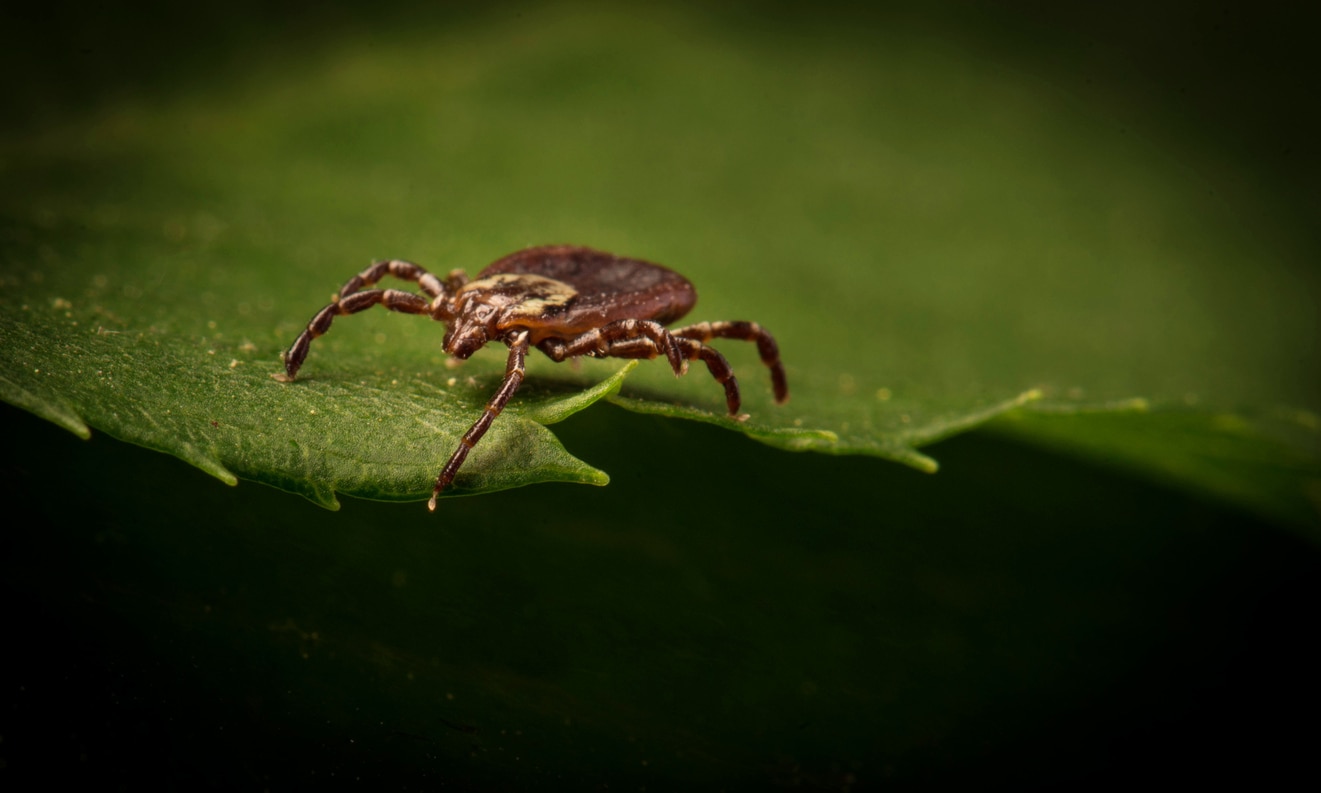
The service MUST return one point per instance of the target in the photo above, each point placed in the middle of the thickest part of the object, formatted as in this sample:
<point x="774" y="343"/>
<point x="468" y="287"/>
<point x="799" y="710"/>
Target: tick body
<point x="565" y="300"/>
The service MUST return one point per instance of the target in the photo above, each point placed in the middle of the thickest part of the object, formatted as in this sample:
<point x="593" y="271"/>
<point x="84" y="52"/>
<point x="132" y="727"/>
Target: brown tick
<point x="566" y="301"/>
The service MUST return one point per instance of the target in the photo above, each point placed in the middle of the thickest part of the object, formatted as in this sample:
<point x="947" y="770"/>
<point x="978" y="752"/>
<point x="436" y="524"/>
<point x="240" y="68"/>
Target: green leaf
<point x="214" y="404"/>
<point x="1264" y="462"/>
<point x="933" y="243"/>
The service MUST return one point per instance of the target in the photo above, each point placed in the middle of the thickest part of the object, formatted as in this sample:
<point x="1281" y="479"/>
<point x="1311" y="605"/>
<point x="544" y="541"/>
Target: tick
<point x="565" y="300"/>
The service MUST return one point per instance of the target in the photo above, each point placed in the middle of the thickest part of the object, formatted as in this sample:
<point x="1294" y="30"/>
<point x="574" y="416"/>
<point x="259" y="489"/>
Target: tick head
<point x="465" y="338"/>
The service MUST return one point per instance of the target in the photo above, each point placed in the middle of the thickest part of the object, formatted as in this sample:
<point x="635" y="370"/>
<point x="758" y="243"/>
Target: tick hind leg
<point x="717" y="366"/>
<point x="514" y="369"/>
<point x="745" y="331"/>
<point x="603" y="342"/>
<point x="352" y="299"/>
<point x="690" y="349"/>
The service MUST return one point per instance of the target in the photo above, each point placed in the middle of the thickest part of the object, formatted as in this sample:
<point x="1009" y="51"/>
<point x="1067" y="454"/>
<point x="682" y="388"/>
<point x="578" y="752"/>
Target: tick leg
<point x="692" y="350"/>
<point x="350" y="301"/>
<point x="393" y="299"/>
<point x="513" y="379"/>
<point x="745" y="331"/>
<point x="717" y="366"/>
<point x="405" y="271"/>
<point x="601" y="342"/>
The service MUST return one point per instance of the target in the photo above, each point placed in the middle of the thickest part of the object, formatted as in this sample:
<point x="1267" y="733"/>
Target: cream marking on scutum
<point x="540" y="289"/>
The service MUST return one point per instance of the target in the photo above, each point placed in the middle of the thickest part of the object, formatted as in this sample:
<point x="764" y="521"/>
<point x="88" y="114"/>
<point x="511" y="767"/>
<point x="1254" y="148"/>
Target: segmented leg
<point x="514" y="368"/>
<point x="717" y="366"/>
<point x="393" y="299"/>
<point x="745" y="331"/>
<point x="351" y="300"/>
<point x="691" y="349"/>
<point x="600" y="342"/>
<point x="405" y="271"/>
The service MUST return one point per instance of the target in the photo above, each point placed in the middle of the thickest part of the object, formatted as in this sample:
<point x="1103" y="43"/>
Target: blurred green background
<point x="1099" y="220"/>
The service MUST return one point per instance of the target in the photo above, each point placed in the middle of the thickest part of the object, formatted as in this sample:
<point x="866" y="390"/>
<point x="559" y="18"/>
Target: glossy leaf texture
<point x="936" y="242"/>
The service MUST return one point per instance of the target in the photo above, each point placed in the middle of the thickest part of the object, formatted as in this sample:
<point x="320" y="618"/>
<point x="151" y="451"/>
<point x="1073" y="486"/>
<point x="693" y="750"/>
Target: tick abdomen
<point x="606" y="287"/>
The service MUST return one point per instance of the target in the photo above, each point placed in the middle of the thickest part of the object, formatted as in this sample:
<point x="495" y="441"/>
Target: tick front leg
<point x="745" y="331"/>
<point x="393" y="299"/>
<point x="404" y="271"/>
<point x="603" y="341"/>
<point x="513" y="379"/>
